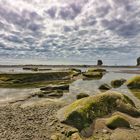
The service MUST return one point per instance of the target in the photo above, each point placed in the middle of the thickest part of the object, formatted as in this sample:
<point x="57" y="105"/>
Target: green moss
<point x="117" y="121"/>
<point x="117" y="83"/>
<point x="81" y="113"/>
<point x="136" y="92"/>
<point x="32" y="80"/>
<point x="134" y="83"/>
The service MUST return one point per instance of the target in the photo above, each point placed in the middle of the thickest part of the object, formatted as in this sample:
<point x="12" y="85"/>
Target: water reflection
<point x="91" y="87"/>
<point x="79" y="86"/>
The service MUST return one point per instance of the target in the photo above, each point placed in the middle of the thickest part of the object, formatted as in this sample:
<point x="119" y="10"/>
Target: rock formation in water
<point x="138" y="61"/>
<point x="99" y="62"/>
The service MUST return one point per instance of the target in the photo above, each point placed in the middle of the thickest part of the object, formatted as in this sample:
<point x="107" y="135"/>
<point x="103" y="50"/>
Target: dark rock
<point x="55" y="87"/>
<point x="82" y="95"/>
<point x="138" y="61"/>
<point x="117" y="83"/>
<point x="105" y="87"/>
<point x="99" y="62"/>
<point x="56" y="94"/>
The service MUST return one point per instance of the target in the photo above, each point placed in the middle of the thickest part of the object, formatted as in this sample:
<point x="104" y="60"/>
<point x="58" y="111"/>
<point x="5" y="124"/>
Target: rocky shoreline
<point x="41" y="116"/>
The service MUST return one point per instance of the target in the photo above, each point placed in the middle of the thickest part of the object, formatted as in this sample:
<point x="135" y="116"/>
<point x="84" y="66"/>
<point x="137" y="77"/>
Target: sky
<point x="70" y="31"/>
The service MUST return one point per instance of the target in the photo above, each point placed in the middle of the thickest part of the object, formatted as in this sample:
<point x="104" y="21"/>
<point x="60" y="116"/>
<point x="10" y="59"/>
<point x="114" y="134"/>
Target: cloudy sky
<point x="70" y="30"/>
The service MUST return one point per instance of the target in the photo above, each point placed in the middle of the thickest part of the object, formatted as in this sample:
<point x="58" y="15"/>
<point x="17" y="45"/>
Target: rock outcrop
<point x="138" y="61"/>
<point x="99" y="62"/>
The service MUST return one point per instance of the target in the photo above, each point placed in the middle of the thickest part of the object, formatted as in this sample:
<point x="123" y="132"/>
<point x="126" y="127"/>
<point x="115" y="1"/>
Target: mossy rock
<point x="83" y="112"/>
<point x="20" y="80"/>
<point x="105" y="87"/>
<point x="136" y="93"/>
<point x="93" y="75"/>
<point x="134" y="83"/>
<point x="96" y="70"/>
<point x="82" y="95"/>
<point x="117" y="83"/>
<point x="117" y="121"/>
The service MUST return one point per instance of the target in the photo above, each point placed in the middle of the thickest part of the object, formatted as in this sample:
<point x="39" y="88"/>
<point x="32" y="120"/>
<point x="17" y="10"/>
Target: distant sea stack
<point x="138" y="61"/>
<point x="99" y="62"/>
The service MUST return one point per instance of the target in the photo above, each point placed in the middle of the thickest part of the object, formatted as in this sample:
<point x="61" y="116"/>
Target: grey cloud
<point x="52" y="12"/>
<point x="13" y="38"/>
<point x="70" y="29"/>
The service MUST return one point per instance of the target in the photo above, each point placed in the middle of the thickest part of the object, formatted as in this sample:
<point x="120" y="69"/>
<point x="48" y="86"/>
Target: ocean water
<point x="79" y="86"/>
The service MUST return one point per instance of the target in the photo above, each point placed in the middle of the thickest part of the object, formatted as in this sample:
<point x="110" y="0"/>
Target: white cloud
<point x="81" y="29"/>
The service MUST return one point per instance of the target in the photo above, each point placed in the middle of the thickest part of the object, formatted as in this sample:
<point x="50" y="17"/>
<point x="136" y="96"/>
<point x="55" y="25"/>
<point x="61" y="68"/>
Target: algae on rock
<point x="82" y="113"/>
<point x="117" y="121"/>
<point x="134" y="83"/>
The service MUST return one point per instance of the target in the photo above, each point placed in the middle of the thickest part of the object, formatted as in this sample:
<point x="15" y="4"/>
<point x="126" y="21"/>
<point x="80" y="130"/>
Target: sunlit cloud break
<point x="72" y="30"/>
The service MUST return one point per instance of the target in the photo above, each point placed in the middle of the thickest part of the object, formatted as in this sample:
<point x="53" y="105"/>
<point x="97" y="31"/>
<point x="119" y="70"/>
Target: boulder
<point x="117" y="121"/>
<point x="82" y="95"/>
<point x="83" y="112"/>
<point x="117" y="83"/>
<point x="105" y="87"/>
<point x="133" y="83"/>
